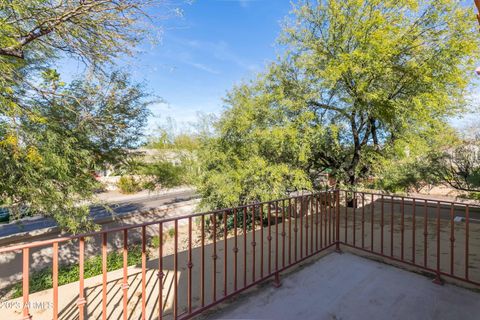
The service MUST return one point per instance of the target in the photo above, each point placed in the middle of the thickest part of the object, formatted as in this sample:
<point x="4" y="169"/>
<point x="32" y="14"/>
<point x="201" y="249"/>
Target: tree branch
<point x="327" y="107"/>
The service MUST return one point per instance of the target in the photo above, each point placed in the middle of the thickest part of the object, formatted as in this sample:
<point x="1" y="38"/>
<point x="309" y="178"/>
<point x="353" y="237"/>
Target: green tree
<point x="459" y="166"/>
<point x="356" y="76"/>
<point x="407" y="164"/>
<point x="85" y="28"/>
<point x="177" y="150"/>
<point x="165" y="173"/>
<point x="438" y="156"/>
<point x="374" y="70"/>
<point x="48" y="164"/>
<point x="34" y="34"/>
<point x="53" y="135"/>
<point x="257" y="153"/>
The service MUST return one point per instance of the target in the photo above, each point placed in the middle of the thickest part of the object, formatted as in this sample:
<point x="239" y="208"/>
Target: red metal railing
<point x="228" y="251"/>
<point x="287" y="231"/>
<point x="433" y="235"/>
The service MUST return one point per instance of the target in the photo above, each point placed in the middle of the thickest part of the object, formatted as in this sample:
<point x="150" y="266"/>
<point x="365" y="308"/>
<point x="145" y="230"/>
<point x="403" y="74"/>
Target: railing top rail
<point x="440" y="201"/>
<point x="166" y="220"/>
<point x="43" y="243"/>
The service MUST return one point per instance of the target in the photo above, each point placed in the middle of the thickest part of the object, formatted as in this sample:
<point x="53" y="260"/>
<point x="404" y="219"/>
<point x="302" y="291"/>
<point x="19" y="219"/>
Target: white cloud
<point x="202" y="67"/>
<point x="220" y="50"/>
<point x="242" y="3"/>
<point x="188" y="59"/>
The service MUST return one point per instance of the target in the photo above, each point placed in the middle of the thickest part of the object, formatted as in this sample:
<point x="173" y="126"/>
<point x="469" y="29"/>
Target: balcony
<point x="212" y="265"/>
<point x="346" y="286"/>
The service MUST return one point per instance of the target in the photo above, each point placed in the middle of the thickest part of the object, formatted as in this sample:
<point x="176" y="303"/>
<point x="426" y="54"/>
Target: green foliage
<point x="48" y="161"/>
<point x="128" y="184"/>
<point x="240" y="218"/>
<point x="440" y="156"/>
<point x="42" y="280"/>
<point x="165" y="141"/>
<point x="169" y="137"/>
<point x="83" y="28"/>
<point x="459" y="166"/>
<point x="53" y="135"/>
<point x="472" y="196"/>
<point x="131" y="164"/>
<point x="176" y="161"/>
<point x="155" y="242"/>
<point x="404" y="176"/>
<point x="357" y="76"/>
<point x="402" y="65"/>
<point x="165" y="173"/>
<point x="243" y="181"/>
<point x="407" y="164"/>
<point x="250" y="160"/>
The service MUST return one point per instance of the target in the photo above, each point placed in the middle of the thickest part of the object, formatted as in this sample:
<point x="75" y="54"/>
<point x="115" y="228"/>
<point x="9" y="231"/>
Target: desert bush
<point x="128" y="184"/>
<point x="165" y="173"/>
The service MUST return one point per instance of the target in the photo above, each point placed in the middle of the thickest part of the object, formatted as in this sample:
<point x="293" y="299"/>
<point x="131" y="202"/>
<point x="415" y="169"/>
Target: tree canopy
<point x="53" y="135"/>
<point x="358" y="80"/>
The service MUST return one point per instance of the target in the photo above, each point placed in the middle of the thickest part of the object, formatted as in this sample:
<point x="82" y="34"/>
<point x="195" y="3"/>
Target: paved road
<point x="99" y="213"/>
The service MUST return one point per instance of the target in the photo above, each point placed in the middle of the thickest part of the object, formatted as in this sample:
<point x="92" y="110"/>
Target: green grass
<point x="42" y="279"/>
<point x="155" y="242"/>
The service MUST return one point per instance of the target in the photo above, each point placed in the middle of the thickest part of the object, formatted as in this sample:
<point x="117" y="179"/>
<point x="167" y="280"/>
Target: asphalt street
<point x="100" y="212"/>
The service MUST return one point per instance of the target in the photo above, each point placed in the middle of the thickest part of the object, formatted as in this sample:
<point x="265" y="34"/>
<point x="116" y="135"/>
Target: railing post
<point x="25" y="284"/>
<point x="55" y="280"/>
<point x="438" y="279"/>
<point x="161" y="275"/>
<point x="104" y="276"/>
<point x="337" y="222"/>
<point x="81" y="296"/>
<point x="467" y="221"/>
<point x="144" y="272"/>
<point x="125" y="285"/>
<point x="276" y="282"/>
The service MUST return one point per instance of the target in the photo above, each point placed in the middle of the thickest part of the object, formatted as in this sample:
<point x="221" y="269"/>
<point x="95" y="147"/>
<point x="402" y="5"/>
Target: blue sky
<point x="202" y="54"/>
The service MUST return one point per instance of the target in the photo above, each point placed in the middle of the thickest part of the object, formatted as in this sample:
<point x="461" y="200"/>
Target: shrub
<point x="471" y="196"/>
<point x="165" y="173"/>
<point x="155" y="242"/>
<point x="149" y="185"/>
<point x="128" y="184"/>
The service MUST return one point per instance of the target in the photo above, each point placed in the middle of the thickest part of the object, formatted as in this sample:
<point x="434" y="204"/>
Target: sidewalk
<point x="118" y="197"/>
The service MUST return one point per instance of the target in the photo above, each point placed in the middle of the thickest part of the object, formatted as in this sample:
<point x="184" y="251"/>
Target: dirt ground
<point x="418" y="227"/>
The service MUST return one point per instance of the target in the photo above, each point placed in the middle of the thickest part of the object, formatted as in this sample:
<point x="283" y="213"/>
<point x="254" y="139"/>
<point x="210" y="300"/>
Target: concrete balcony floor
<point x="346" y="286"/>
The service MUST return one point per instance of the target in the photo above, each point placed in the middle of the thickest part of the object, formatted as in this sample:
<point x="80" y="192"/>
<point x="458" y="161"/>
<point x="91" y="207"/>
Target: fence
<point x="433" y="235"/>
<point x="210" y="257"/>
